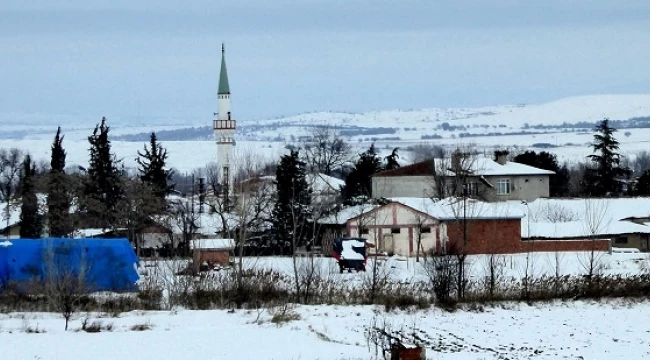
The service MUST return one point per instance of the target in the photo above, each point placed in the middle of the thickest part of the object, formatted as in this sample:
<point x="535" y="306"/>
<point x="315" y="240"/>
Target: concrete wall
<point x="402" y="186"/>
<point x="525" y="187"/>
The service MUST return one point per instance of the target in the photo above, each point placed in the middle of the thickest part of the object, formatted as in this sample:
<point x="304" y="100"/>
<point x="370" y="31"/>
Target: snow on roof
<point x="479" y="164"/>
<point x="322" y="183"/>
<point x="5" y="243"/>
<point x="446" y="209"/>
<point x="347" y="213"/>
<point x="455" y="208"/>
<point x="486" y="166"/>
<point x="570" y="218"/>
<point x="213" y="244"/>
<point x="91" y="232"/>
<point x="319" y="182"/>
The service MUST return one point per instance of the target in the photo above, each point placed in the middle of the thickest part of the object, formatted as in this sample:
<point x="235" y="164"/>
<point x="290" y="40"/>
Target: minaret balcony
<point x="224" y="124"/>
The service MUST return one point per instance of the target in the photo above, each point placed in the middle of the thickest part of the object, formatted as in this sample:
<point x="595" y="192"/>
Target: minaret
<point x="224" y="130"/>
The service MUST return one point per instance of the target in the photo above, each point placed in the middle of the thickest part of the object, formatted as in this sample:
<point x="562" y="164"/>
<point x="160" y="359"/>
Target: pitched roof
<point x="448" y="209"/>
<point x="480" y="165"/>
<point x="224" y="88"/>
<point x="422" y="168"/>
<point x="572" y="218"/>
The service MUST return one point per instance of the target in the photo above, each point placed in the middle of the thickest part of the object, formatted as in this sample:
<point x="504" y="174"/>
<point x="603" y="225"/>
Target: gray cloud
<point x="284" y="57"/>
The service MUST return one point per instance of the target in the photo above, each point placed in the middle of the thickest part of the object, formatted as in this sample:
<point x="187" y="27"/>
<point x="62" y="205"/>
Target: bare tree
<point x="326" y="150"/>
<point x="184" y="219"/>
<point x="457" y="176"/>
<point x="595" y="223"/>
<point x="249" y="214"/>
<point x="10" y="168"/>
<point x="66" y="279"/>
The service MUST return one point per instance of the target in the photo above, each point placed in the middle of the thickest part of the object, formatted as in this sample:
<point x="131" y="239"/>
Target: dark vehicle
<point x="350" y="253"/>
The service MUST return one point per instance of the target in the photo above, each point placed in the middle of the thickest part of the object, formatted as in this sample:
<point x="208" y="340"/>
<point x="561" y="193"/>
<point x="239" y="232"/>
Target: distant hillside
<point x="569" y="115"/>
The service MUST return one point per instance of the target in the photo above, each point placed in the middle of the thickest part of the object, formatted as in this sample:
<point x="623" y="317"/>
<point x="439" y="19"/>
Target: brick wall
<point x="567" y="245"/>
<point x="212" y="257"/>
<point x="503" y="236"/>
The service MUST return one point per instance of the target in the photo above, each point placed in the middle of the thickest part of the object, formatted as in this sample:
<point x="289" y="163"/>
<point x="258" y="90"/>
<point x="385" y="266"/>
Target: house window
<point x="503" y="186"/>
<point x="426" y="230"/>
<point x="395" y="230"/>
<point x="620" y="240"/>
<point x="472" y="188"/>
<point x="363" y="230"/>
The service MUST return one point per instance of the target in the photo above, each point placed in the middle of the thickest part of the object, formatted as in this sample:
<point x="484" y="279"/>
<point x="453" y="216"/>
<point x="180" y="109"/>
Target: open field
<point x="560" y="330"/>
<point x="571" y="329"/>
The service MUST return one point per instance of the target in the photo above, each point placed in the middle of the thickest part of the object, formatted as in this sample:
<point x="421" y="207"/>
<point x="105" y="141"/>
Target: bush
<point x="141" y="327"/>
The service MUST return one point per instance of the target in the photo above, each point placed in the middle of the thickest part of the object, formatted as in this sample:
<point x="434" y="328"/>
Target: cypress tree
<point x="103" y="187"/>
<point x="58" y="191"/>
<point x="30" y="220"/>
<point x="292" y="208"/>
<point x="604" y="178"/>
<point x="358" y="184"/>
<point x="152" y="169"/>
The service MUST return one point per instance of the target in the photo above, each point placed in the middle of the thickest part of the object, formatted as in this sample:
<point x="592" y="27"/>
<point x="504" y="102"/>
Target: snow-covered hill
<point x="565" y="126"/>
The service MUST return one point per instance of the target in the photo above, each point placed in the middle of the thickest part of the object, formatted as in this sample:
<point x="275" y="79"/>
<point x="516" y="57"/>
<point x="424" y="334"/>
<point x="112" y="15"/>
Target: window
<point x="503" y="186"/>
<point x="472" y="188"/>
<point x="363" y="230"/>
<point x="426" y="230"/>
<point x="620" y="240"/>
<point x="395" y="230"/>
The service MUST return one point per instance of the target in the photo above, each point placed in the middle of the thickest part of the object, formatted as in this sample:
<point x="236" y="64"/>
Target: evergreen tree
<point x="558" y="183"/>
<point x="603" y="179"/>
<point x="103" y="187"/>
<point x="358" y="183"/>
<point x="58" y="191"/>
<point x="152" y="168"/>
<point x="30" y="221"/>
<point x="291" y="212"/>
<point x="391" y="160"/>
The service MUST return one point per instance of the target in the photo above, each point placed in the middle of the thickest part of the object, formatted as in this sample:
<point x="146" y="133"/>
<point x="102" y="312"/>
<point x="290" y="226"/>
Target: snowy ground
<point x="571" y="330"/>
<point x="558" y="330"/>
<point x="513" y="266"/>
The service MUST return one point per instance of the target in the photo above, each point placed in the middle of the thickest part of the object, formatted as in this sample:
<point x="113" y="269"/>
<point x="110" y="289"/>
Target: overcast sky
<point x="286" y="57"/>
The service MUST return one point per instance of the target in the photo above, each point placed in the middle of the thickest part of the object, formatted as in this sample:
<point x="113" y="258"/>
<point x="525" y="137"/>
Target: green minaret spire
<point x="224" y="88"/>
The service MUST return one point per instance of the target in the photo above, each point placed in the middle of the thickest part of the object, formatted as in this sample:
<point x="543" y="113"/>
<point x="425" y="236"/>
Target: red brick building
<point x="405" y="225"/>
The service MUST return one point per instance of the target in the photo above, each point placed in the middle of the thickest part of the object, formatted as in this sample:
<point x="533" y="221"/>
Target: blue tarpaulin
<point x="103" y="264"/>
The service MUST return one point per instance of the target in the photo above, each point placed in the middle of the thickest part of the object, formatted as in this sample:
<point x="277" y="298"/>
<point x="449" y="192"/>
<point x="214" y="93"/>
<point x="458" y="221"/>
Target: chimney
<point x="501" y="156"/>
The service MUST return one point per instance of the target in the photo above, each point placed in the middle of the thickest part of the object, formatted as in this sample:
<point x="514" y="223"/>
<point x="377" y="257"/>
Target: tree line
<point x="104" y="195"/>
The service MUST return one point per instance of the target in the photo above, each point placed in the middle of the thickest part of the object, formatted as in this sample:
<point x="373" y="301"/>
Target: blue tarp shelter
<point x="103" y="264"/>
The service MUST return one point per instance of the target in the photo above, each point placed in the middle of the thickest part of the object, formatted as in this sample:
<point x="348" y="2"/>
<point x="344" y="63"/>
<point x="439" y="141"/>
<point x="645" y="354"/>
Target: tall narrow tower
<point x="224" y="130"/>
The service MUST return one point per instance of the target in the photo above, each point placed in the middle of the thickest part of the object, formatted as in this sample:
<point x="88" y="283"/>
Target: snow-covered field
<point x="561" y="330"/>
<point x="554" y="330"/>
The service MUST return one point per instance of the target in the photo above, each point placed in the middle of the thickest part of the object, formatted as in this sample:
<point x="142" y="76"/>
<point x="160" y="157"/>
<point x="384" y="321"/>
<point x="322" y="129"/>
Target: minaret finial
<point x="223" y="48"/>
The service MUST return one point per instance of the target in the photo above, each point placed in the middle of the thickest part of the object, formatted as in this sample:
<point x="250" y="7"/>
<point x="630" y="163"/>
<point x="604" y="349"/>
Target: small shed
<point x="213" y="252"/>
